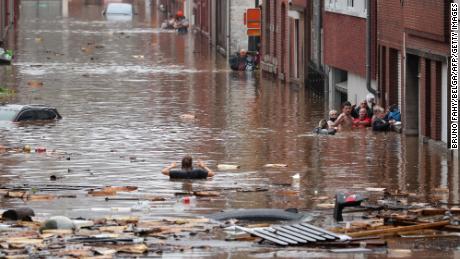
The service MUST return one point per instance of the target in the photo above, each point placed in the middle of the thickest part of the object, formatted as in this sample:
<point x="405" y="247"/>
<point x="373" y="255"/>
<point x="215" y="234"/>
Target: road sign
<point x="253" y="32"/>
<point x="252" y="18"/>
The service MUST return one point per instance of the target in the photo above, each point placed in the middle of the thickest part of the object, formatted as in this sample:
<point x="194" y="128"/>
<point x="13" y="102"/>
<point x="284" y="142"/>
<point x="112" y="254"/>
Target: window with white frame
<point x="350" y="3"/>
<point x="348" y="7"/>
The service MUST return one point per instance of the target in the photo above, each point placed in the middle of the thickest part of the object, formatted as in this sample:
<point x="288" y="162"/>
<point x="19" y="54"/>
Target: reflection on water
<point x="121" y="88"/>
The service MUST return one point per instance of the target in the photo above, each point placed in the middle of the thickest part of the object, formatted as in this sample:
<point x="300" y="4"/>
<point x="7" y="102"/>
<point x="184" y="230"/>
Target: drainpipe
<point x="368" y="50"/>
<point x="228" y="28"/>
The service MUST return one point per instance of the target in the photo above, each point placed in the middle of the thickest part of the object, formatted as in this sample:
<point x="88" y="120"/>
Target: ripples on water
<point x="122" y="103"/>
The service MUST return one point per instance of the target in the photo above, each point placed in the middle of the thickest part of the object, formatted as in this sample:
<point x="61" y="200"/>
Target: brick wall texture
<point x="423" y="26"/>
<point x="345" y="42"/>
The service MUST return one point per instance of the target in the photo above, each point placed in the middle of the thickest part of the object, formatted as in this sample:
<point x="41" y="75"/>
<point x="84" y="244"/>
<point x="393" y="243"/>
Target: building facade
<point x="201" y="11"/>
<point x="286" y="39"/>
<point x="9" y="14"/>
<point x="345" y="50"/>
<point x="413" y="46"/>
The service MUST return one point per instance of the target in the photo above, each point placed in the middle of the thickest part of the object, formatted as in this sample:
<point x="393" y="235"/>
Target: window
<point x="45" y="115"/>
<point x="355" y="8"/>
<point x="27" y="116"/>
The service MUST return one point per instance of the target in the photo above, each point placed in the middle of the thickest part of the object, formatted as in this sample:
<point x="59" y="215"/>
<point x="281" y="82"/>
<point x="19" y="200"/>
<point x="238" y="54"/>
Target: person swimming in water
<point x="187" y="171"/>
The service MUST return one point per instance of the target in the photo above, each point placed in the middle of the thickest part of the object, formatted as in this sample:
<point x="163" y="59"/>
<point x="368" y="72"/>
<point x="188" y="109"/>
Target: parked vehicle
<point x="119" y="12"/>
<point x="6" y="56"/>
<point x="18" y="113"/>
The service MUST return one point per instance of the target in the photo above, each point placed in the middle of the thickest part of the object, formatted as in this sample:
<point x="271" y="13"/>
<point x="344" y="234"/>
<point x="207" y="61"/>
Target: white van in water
<point x="119" y="12"/>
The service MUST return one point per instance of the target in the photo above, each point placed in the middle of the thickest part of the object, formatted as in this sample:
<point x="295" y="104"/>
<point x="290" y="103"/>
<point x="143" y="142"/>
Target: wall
<point x="345" y="43"/>
<point x="357" y="88"/>
<point x="239" y="38"/>
<point x="419" y="28"/>
<point x="444" y="103"/>
<point x="273" y="36"/>
<point x="316" y="50"/>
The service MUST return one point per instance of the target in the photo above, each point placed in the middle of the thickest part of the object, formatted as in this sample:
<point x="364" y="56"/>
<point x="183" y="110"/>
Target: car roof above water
<point x="18" y="107"/>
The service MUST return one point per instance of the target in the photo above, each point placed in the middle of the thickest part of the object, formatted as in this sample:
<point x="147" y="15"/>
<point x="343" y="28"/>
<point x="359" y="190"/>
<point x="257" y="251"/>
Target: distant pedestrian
<point x="181" y="23"/>
<point x="169" y="23"/>
<point x="187" y="171"/>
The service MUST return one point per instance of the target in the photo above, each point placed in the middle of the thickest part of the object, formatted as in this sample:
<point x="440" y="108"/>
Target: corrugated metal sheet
<point x="294" y="234"/>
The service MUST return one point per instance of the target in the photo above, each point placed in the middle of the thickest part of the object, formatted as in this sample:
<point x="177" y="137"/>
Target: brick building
<point x="286" y="39"/>
<point x="9" y="13"/>
<point x="222" y="22"/>
<point x="413" y="48"/>
<point x="201" y="10"/>
<point x="171" y="7"/>
<point x="344" y="26"/>
<point x="228" y="32"/>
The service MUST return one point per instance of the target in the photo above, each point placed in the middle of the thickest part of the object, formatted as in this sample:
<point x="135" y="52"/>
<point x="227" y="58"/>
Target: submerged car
<point x="18" y="113"/>
<point x="119" y="12"/>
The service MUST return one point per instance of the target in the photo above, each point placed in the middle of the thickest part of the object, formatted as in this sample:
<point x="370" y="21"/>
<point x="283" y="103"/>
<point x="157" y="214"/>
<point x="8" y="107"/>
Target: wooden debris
<point x="126" y="220"/>
<point x="102" y="193"/>
<point x="373" y="189"/>
<point x="154" y="198"/>
<point x="206" y="194"/>
<point x="399" y="253"/>
<point x="40" y="197"/>
<point x="104" y="251"/>
<point x="351" y="250"/>
<point x="224" y="167"/>
<point x="325" y="206"/>
<point x="434" y="211"/>
<point x="22" y="242"/>
<point x="113" y="229"/>
<point x="112" y="190"/>
<point x="257" y="189"/>
<point x="392" y="231"/>
<point x="16" y="194"/>
<point x="132" y="249"/>
<point x="57" y="232"/>
<point x="275" y="165"/>
<point x="78" y="253"/>
<point x="188" y="116"/>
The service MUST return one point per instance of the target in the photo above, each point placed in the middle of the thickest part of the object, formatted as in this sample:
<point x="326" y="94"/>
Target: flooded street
<point x="122" y="86"/>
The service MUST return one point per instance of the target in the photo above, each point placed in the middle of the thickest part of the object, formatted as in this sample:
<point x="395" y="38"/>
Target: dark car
<point x="17" y="113"/>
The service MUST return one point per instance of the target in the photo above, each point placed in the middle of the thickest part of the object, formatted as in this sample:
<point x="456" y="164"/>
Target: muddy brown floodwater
<point x="122" y="86"/>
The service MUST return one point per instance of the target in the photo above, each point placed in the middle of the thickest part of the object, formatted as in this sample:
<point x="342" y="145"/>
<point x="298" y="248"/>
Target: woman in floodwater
<point x="187" y="171"/>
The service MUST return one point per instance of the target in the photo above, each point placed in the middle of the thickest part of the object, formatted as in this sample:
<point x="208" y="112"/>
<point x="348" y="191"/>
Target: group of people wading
<point x="366" y="114"/>
<point x="177" y="22"/>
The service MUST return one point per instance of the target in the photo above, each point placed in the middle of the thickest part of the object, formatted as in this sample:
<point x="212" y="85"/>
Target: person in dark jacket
<point x="378" y="122"/>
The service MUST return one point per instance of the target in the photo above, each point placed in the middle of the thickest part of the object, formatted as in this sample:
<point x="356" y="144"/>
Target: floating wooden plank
<point x="399" y="229"/>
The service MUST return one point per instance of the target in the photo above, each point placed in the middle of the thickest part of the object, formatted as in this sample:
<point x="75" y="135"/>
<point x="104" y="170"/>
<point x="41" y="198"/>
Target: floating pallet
<point x="296" y="234"/>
